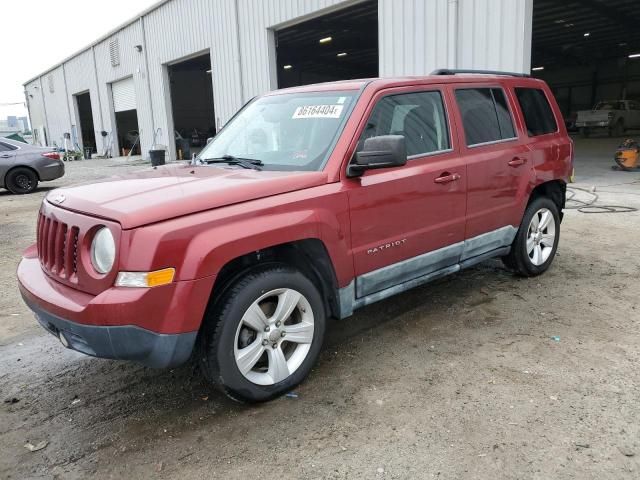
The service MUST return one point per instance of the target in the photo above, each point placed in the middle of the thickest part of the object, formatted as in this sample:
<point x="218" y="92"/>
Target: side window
<point x="5" y="148"/>
<point x="485" y="115"/>
<point x="537" y="112"/>
<point x="419" y="116"/>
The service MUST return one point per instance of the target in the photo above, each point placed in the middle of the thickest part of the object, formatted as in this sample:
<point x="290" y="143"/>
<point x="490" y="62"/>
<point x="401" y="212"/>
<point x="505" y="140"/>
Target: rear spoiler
<point x="447" y="71"/>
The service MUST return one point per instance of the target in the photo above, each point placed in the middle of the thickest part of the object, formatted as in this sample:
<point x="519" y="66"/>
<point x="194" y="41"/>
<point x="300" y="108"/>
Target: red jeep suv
<point x="310" y="203"/>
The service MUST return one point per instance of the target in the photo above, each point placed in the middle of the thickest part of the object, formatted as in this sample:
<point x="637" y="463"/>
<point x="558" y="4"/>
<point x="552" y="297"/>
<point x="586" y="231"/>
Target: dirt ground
<point x="481" y="375"/>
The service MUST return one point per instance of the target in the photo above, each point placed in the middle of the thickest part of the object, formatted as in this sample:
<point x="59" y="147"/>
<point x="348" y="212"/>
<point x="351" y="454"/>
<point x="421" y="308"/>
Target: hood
<point x="171" y="191"/>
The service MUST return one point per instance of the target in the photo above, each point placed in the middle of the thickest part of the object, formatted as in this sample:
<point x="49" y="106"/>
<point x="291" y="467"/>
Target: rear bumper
<point x="128" y="342"/>
<point x="51" y="171"/>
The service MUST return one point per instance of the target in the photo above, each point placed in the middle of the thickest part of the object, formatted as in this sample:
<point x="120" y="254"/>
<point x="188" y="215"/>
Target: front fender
<point x="199" y="245"/>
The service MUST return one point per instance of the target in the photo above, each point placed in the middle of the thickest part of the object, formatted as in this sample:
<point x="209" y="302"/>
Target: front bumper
<point x="128" y="342"/>
<point x="153" y="326"/>
<point x="602" y="124"/>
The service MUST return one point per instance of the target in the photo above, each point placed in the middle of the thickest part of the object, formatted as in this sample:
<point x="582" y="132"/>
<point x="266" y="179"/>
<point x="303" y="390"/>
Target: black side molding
<point x="447" y="71"/>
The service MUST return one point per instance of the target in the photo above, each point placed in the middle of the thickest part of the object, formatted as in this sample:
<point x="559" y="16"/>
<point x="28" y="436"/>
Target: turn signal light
<point x="145" y="279"/>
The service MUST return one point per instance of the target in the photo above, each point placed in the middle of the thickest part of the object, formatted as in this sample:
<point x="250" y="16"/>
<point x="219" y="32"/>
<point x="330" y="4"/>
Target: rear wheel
<point x="264" y="335"/>
<point x="536" y="242"/>
<point x="584" y="132"/>
<point x="618" y="129"/>
<point x="21" y="180"/>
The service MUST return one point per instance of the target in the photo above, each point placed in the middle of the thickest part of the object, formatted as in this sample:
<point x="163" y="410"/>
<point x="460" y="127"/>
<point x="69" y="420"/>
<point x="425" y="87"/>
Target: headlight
<point x="103" y="250"/>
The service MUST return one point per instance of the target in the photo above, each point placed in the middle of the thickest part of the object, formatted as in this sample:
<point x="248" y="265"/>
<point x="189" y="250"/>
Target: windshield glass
<point x="294" y="131"/>
<point x="609" y="106"/>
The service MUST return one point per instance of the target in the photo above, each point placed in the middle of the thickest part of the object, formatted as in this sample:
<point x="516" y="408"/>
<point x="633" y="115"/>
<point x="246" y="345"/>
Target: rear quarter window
<point x="5" y="147"/>
<point x="537" y="112"/>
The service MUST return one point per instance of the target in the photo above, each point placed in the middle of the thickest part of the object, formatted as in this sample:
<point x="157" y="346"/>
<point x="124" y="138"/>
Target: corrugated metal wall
<point x="256" y="19"/>
<point x="56" y="104"/>
<point x="416" y="36"/>
<point x="80" y="75"/>
<point x="131" y="64"/>
<point x="180" y="29"/>
<point x="495" y="34"/>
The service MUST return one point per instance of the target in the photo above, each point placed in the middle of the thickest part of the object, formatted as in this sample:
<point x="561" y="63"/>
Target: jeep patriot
<point x="309" y="204"/>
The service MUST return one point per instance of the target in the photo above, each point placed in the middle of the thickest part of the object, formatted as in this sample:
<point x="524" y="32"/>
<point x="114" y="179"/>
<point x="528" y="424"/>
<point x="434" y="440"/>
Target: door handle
<point x="517" y="161"/>
<point x="4" y="156"/>
<point x="447" y="177"/>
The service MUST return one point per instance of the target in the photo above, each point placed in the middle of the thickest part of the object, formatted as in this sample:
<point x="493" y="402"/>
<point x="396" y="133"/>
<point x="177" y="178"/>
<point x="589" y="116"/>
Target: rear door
<point x="498" y="165"/>
<point x="544" y="133"/>
<point x="408" y="221"/>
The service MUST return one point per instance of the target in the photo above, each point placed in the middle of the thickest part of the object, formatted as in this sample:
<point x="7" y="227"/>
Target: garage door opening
<point x="338" y="46"/>
<point x="192" y="104"/>
<point x="588" y="51"/>
<point x="85" y="118"/>
<point x="127" y="128"/>
<point x="126" y="116"/>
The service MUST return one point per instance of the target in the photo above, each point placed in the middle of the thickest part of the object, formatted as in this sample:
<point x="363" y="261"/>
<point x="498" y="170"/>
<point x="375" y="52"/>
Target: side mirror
<point x="384" y="151"/>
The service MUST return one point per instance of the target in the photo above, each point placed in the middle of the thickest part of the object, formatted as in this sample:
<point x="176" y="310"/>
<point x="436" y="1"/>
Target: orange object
<point x="627" y="154"/>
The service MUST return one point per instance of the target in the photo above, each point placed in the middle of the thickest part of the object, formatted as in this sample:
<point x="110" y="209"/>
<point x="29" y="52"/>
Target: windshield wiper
<point x="251" y="163"/>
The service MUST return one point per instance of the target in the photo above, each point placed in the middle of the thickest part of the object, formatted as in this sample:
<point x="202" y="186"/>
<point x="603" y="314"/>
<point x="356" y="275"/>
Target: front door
<point x="407" y="222"/>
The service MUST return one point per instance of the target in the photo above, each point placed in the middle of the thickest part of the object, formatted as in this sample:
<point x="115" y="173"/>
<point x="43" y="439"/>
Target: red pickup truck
<point x="310" y="203"/>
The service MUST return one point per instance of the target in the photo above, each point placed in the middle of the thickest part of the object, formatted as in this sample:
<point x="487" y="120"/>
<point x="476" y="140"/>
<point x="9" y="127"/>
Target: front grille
<point x="58" y="247"/>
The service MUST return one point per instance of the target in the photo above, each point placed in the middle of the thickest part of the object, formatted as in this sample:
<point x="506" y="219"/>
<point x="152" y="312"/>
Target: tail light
<point x="52" y="155"/>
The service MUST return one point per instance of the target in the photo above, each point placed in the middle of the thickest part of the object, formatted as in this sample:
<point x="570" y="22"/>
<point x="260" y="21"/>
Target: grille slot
<point x="58" y="247"/>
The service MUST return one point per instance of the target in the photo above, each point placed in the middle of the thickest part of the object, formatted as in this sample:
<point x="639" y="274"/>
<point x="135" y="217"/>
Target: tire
<point x="618" y="128"/>
<point x="272" y="363"/>
<point x="584" y="132"/>
<point x="21" y="180"/>
<point x="532" y="253"/>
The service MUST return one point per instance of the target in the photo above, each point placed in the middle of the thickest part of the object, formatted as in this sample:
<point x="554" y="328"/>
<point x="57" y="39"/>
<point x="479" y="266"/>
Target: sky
<point x="41" y="33"/>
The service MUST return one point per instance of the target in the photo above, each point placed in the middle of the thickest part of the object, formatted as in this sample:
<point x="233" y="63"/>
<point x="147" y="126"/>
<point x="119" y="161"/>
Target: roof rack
<point x="448" y="71"/>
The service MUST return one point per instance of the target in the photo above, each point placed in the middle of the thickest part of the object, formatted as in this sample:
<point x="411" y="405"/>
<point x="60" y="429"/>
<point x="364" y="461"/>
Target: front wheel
<point x="264" y="335"/>
<point x="536" y="242"/>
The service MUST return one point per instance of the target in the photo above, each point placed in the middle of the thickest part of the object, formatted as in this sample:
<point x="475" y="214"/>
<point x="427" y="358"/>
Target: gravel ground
<point x="481" y="375"/>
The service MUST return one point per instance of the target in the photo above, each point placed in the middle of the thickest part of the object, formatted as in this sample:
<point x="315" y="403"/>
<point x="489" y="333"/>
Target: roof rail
<point x="448" y="71"/>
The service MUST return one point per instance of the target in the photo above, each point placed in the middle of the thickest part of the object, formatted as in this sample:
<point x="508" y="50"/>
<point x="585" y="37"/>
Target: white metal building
<point x="188" y="65"/>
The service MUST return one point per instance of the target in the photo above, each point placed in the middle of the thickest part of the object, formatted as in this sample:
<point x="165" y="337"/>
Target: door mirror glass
<point x="384" y="151"/>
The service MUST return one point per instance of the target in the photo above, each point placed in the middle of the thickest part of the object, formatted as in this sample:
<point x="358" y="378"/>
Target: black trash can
<point x="87" y="153"/>
<point x="157" y="157"/>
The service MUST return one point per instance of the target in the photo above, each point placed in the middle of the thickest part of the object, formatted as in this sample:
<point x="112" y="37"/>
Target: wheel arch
<point x="3" y="180"/>
<point x="310" y="256"/>
<point x="556" y="190"/>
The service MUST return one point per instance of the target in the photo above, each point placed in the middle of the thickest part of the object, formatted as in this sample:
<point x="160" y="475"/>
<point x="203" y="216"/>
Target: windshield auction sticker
<point x="318" y="111"/>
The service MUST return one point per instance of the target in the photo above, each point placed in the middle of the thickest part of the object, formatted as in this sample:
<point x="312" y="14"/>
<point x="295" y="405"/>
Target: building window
<point x="114" y="52"/>
<point x="537" y="112"/>
<point x="485" y="115"/>
<point x="419" y="117"/>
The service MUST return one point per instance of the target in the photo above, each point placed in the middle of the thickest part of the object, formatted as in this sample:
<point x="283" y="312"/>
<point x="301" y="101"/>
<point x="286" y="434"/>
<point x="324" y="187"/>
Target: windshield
<point x="609" y="106"/>
<point x="294" y="131"/>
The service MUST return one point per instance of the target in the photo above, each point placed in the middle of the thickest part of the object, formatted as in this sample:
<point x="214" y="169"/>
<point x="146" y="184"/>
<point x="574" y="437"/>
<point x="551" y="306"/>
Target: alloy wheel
<point x="274" y="336"/>
<point x="541" y="236"/>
